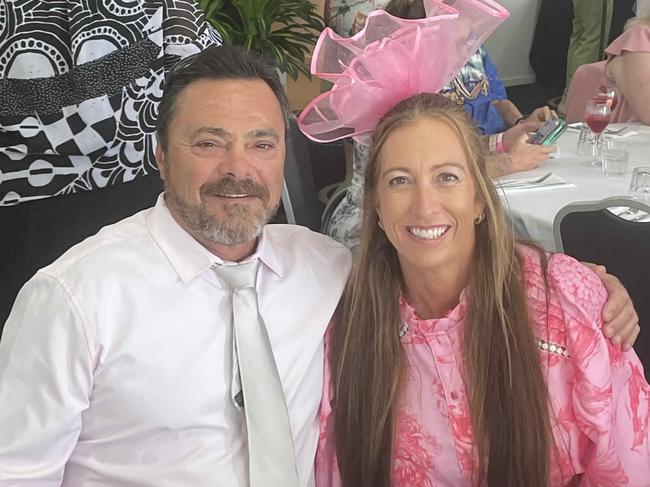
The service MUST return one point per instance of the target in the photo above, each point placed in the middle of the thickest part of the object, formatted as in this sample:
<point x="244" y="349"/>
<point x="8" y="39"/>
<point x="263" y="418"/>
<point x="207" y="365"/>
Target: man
<point x="119" y="366"/>
<point x="127" y="362"/>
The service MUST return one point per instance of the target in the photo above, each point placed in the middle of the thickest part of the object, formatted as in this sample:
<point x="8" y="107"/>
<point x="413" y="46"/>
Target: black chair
<point x="299" y="195"/>
<point x="614" y="232"/>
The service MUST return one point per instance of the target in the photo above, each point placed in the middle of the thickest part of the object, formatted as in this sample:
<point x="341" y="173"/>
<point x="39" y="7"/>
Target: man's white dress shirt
<point x="116" y="364"/>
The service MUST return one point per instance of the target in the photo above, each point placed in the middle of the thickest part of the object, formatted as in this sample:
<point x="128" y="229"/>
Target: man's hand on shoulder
<point x="621" y="323"/>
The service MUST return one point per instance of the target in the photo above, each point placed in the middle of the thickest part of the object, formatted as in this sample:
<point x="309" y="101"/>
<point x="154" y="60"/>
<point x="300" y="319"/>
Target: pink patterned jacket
<point x="599" y="398"/>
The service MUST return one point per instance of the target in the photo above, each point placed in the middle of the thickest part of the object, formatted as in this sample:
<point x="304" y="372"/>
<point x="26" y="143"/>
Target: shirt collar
<point x="188" y="257"/>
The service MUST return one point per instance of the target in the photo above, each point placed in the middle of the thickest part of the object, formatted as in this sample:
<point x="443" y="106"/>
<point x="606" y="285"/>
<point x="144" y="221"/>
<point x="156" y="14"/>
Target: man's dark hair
<point x="216" y="63"/>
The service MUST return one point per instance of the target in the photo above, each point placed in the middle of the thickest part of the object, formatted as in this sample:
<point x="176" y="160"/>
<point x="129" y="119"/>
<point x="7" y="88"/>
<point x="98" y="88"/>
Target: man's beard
<point x="240" y="222"/>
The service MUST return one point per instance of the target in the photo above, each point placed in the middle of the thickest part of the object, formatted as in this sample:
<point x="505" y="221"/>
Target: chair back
<point x="299" y="195"/>
<point x="611" y="232"/>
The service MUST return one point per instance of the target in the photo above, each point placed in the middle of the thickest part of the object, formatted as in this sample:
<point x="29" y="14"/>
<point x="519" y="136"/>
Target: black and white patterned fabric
<point x="344" y="225"/>
<point x="80" y="83"/>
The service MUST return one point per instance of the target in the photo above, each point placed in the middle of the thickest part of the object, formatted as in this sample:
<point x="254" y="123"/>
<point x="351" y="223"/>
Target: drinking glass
<point x="585" y="141"/>
<point x="640" y="184"/>
<point x="614" y="156"/>
<point x="597" y="116"/>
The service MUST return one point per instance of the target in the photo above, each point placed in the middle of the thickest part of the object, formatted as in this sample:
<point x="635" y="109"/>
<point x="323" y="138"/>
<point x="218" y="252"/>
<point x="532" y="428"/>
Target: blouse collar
<point x="412" y="323"/>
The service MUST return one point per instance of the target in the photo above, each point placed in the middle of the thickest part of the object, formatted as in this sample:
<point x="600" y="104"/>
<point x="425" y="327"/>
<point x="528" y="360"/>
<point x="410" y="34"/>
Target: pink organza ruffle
<point x="390" y="60"/>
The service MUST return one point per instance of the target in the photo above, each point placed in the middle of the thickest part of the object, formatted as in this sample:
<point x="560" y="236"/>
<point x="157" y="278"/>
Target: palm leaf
<point x="283" y="31"/>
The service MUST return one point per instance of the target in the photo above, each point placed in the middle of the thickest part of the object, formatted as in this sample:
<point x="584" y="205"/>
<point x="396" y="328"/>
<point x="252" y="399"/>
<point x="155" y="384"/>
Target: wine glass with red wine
<point x="597" y="116"/>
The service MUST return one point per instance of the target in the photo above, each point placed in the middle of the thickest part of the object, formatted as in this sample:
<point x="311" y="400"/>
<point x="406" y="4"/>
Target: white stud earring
<point x="479" y="219"/>
<point x="380" y="224"/>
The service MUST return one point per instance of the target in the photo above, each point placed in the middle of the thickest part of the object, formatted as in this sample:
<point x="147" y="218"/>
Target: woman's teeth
<point x="428" y="233"/>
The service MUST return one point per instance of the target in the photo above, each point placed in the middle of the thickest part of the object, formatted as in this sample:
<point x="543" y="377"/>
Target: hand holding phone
<point x="549" y="132"/>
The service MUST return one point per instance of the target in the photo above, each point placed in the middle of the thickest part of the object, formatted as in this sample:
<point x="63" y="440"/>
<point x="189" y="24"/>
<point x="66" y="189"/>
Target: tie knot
<point x="239" y="276"/>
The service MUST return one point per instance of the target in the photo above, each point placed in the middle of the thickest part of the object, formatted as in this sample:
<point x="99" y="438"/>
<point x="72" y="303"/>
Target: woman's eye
<point x="447" y="177"/>
<point x="398" y="181"/>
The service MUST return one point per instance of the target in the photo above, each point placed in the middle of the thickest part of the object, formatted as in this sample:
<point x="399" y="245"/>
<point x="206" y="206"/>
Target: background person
<point x="591" y="23"/>
<point x="627" y="68"/>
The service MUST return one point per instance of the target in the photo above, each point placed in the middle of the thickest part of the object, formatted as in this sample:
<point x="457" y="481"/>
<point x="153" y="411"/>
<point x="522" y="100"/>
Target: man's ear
<point x="160" y="159"/>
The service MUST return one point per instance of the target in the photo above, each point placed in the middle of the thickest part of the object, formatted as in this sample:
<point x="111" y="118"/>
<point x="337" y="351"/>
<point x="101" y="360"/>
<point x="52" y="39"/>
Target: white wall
<point x="509" y="46"/>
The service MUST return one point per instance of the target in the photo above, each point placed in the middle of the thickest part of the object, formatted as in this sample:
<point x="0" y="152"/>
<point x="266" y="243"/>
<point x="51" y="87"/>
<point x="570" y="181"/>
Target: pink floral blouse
<point x="599" y="397"/>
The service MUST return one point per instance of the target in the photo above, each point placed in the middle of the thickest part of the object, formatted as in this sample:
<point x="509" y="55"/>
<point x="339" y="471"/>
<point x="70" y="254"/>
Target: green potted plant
<point x="284" y="31"/>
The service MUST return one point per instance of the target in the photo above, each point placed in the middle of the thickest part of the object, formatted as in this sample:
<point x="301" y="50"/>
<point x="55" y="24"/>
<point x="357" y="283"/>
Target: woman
<point x="478" y="88"/>
<point x="627" y="68"/>
<point x="461" y="357"/>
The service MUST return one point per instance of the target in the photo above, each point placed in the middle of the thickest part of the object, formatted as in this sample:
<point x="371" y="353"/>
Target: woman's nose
<point x="426" y="201"/>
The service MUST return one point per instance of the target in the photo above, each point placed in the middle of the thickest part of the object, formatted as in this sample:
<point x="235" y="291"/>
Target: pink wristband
<point x="492" y="143"/>
<point x="499" y="143"/>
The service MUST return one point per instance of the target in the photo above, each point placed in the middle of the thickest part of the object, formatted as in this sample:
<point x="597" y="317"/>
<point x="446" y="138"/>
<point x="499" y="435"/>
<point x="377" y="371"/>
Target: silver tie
<point x="271" y="455"/>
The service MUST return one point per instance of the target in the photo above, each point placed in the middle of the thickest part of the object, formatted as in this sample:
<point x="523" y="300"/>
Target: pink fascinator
<point x="390" y="60"/>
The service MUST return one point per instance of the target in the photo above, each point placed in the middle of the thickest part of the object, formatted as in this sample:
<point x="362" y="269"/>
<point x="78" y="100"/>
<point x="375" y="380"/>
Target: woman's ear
<point x="479" y="211"/>
<point x="378" y="211"/>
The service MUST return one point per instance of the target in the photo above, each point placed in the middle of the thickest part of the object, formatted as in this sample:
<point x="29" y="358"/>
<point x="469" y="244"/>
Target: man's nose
<point x="236" y="162"/>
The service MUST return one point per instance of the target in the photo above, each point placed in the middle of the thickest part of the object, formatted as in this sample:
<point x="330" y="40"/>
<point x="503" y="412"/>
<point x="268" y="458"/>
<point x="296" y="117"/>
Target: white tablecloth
<point x="533" y="211"/>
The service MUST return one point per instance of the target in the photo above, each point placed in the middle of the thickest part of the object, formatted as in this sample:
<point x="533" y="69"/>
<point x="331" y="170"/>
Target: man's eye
<point x="264" y="145"/>
<point x="398" y="181"/>
<point x="206" y="144"/>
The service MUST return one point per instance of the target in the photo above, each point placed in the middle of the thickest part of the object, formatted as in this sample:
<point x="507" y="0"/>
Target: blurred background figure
<point x="591" y="24"/>
<point x="627" y="70"/>
<point x="346" y="17"/>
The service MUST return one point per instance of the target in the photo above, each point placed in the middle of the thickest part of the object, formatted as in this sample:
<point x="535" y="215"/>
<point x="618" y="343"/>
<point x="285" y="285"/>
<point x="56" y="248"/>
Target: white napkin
<point x="630" y="214"/>
<point x="574" y="127"/>
<point x="516" y="185"/>
<point x="627" y="132"/>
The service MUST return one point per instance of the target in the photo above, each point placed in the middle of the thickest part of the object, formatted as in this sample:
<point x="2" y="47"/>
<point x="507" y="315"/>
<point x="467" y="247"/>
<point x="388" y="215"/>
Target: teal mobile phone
<point x="548" y="133"/>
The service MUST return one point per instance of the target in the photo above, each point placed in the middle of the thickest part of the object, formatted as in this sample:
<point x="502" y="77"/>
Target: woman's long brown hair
<point x="506" y="388"/>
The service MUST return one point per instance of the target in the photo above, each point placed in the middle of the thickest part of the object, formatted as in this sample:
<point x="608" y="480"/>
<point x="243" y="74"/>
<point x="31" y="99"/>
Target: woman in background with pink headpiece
<point x="460" y="357"/>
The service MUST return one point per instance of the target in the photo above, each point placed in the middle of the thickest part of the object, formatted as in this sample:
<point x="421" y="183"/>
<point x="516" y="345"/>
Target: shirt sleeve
<point x="497" y="89"/>
<point x="45" y="384"/>
<point x="610" y="396"/>
<point x="327" y="470"/>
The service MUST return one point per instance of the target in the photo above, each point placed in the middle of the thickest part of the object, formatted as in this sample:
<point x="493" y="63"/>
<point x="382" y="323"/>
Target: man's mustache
<point x="231" y="186"/>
